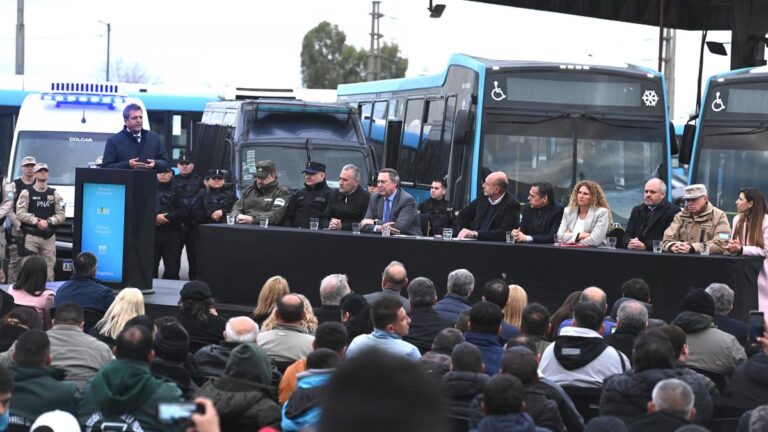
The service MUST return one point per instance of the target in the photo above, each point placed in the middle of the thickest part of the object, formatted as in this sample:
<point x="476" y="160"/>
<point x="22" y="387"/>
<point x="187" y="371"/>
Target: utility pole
<point x="668" y="66"/>
<point x="109" y="34"/>
<point x="19" y="37"/>
<point x="374" y="55"/>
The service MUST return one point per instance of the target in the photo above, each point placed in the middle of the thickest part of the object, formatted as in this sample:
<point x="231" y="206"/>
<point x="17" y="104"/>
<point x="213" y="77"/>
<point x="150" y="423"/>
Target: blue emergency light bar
<point x="84" y="94"/>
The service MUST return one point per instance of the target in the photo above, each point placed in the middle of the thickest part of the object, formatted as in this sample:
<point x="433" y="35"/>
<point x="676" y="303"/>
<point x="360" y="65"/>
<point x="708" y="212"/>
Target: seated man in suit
<point x="649" y="219"/>
<point x="391" y="206"/>
<point x="541" y="216"/>
<point x="491" y="216"/>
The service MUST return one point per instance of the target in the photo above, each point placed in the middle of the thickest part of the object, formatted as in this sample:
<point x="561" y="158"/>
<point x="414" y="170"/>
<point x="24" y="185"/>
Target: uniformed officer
<point x="39" y="209"/>
<point x="169" y="214"/>
<point x="13" y="234"/>
<point x="5" y="210"/>
<point x="349" y="202"/>
<point x="216" y="201"/>
<point x="436" y="212"/>
<point x="312" y="200"/>
<point x="189" y="185"/>
<point x="265" y="197"/>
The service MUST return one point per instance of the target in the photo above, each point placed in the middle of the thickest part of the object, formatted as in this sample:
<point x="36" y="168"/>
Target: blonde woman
<point x="517" y="301"/>
<point x="128" y="304"/>
<point x="274" y="288"/>
<point x="587" y="217"/>
<point x="309" y="323"/>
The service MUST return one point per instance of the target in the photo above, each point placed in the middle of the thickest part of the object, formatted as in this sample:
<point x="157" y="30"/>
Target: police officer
<point x="436" y="212"/>
<point x="348" y="203"/>
<point x="189" y="185"/>
<point x="312" y="200"/>
<point x="169" y="214"/>
<point x="264" y="198"/>
<point x="13" y="234"/>
<point x="39" y="209"/>
<point x="216" y="201"/>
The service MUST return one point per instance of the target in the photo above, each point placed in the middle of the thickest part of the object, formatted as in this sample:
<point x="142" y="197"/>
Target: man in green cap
<point x="264" y="198"/>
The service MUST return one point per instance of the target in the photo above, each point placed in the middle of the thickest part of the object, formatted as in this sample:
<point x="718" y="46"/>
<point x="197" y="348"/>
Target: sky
<point x="258" y="43"/>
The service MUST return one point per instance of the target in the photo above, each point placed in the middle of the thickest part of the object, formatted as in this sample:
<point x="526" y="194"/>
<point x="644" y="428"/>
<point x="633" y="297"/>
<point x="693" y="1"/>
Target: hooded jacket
<point x="709" y="348"/>
<point x="37" y="390"/>
<point x="459" y="389"/>
<point x="520" y="422"/>
<point x="302" y="410"/>
<point x="580" y="357"/>
<point x="542" y="410"/>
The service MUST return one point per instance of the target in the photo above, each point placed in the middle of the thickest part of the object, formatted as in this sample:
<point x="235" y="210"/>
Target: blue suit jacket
<point x="404" y="213"/>
<point x="122" y="146"/>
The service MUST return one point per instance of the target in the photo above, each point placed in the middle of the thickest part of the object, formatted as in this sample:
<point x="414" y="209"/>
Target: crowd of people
<point x="397" y="359"/>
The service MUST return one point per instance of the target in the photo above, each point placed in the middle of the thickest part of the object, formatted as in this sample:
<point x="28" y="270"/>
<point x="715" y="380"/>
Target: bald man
<point x="393" y="281"/>
<point x="491" y="216"/>
<point x="648" y="220"/>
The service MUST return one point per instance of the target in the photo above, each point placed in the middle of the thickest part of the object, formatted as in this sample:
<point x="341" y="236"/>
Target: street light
<point x="109" y="32"/>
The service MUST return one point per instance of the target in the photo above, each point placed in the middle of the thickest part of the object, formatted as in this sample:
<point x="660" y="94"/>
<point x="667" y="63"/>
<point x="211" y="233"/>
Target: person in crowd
<point x="390" y="324"/>
<point x="134" y="147"/>
<point x="274" y="288"/>
<point x="16" y="236"/>
<point x="698" y="224"/>
<point x="16" y="322"/>
<point x="55" y="421"/>
<point x="30" y="290"/>
<point x="332" y="289"/>
<point x="198" y="315"/>
<point x="171" y="347"/>
<point x="394" y="280"/>
<point x="579" y="356"/>
<point x="190" y="187"/>
<point x="129" y="303"/>
<point x="541" y="215"/>
<point x="436" y="212"/>
<point x="460" y="285"/>
<point x="722" y="295"/>
<point x="600" y="298"/>
<point x="212" y="359"/>
<point x="587" y="217"/>
<point x="564" y="312"/>
<point x="83" y="288"/>
<point x="170" y="212"/>
<point x="639" y="290"/>
<point x="124" y="391"/>
<point x="490" y="217"/>
<point x="391" y="206"/>
<point x="289" y="340"/>
<point x="40" y="209"/>
<point x="648" y="220"/>
<point x="6" y="387"/>
<point x="677" y="338"/>
<point x="355" y="315"/>
<point x="216" y="200"/>
<point x="631" y="321"/>
<point x="534" y="323"/>
<point x="709" y="348"/>
<point x="754" y="420"/>
<point x="426" y="323"/>
<point x="330" y="335"/>
<point x="671" y="407"/>
<point x="308" y="323"/>
<point x="265" y="198"/>
<point x="626" y="395"/>
<point x="404" y="399"/>
<point x="462" y="321"/>
<point x="463" y="383"/>
<point x="349" y="202"/>
<point x="498" y="292"/>
<point x="750" y="380"/>
<point x="750" y="235"/>
<point x="7" y="194"/>
<point x="437" y="362"/>
<point x="312" y="200"/>
<point x="302" y="410"/>
<point x="513" y="310"/>
<point x="504" y="407"/>
<point x="372" y="185"/>
<point x="484" y="325"/>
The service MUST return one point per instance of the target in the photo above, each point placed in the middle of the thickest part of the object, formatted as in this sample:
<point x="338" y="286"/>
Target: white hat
<point x="694" y="191"/>
<point x="58" y="421"/>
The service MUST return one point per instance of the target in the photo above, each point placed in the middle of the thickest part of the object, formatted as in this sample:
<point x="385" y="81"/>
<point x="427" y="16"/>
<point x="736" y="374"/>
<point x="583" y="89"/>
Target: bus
<point x="535" y="121"/>
<point x="729" y="149"/>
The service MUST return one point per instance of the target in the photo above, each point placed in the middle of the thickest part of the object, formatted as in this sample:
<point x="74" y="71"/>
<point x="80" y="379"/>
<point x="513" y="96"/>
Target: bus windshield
<point x="62" y="151"/>
<point x="562" y="151"/>
<point x="731" y="158"/>
<point x="290" y="161"/>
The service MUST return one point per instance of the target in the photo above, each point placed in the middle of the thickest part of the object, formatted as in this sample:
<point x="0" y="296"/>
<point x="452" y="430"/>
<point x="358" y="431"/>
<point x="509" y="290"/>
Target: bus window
<point x="406" y="165"/>
<point x="157" y="124"/>
<point x="434" y="149"/>
<point x="365" y="117"/>
<point x="378" y="125"/>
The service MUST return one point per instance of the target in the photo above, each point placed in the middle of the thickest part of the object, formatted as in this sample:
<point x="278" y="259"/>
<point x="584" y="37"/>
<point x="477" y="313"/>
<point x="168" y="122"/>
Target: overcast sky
<point x="258" y="43"/>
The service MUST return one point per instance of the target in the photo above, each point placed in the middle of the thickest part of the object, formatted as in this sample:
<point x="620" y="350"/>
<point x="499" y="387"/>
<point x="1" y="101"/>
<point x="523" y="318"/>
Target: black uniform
<point x="435" y="215"/>
<point x="169" y="200"/>
<point x="348" y="208"/>
<point x="189" y="187"/>
<point x="308" y="202"/>
<point x="211" y="200"/>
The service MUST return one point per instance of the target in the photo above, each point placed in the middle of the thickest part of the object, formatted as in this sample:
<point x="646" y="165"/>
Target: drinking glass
<point x="314" y="223"/>
<point x="230" y="219"/>
<point x="385" y="230"/>
<point x="447" y="233"/>
<point x="263" y="221"/>
<point x="355" y="228"/>
<point x="657" y="246"/>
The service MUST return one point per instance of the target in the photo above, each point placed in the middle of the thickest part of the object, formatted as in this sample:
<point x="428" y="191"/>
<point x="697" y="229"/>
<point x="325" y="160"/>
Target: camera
<point x="178" y="413"/>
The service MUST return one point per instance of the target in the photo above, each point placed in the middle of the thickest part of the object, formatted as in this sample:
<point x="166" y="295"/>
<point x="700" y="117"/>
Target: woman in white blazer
<point x="587" y="217"/>
<point x="750" y="236"/>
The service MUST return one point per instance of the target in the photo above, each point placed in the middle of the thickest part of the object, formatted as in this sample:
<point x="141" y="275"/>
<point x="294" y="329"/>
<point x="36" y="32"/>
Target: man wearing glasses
<point x="700" y="228"/>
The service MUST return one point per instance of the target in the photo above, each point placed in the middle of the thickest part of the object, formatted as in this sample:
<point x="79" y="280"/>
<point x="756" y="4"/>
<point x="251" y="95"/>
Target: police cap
<point x="314" y="168"/>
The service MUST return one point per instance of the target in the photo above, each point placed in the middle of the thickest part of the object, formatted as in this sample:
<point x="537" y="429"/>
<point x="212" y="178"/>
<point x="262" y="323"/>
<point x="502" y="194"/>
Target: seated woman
<point x="274" y="288"/>
<point x="587" y="217"/>
<point x="128" y="304"/>
<point x="29" y="289"/>
<point x="16" y="322"/>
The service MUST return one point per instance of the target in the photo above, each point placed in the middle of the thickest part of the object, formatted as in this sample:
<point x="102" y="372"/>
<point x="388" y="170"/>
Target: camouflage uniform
<point x="271" y="200"/>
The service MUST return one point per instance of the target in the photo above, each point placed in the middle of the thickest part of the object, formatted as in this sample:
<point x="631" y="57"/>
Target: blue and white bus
<point x="535" y="121"/>
<point x="730" y="146"/>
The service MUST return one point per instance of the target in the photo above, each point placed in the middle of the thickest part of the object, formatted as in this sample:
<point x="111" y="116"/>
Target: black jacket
<point x="543" y="411"/>
<point x="506" y="217"/>
<point x="732" y="326"/>
<point x="122" y="146"/>
<point x="308" y="202"/>
<point x="168" y="200"/>
<point x="623" y="339"/>
<point x="542" y="223"/>
<point x="658" y="421"/>
<point x="326" y="313"/>
<point x="177" y="373"/>
<point x="348" y="208"/>
<point x="211" y="200"/>
<point x="425" y="325"/>
<point x="459" y="390"/>
<point x="648" y="225"/>
<point x="189" y="188"/>
<point x="750" y="380"/>
<point x="435" y="215"/>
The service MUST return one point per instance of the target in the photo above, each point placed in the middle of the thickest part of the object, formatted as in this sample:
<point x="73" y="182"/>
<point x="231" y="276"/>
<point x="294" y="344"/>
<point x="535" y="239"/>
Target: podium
<point x="115" y="220"/>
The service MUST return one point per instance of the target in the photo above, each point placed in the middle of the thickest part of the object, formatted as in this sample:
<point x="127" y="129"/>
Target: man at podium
<point x="134" y="147"/>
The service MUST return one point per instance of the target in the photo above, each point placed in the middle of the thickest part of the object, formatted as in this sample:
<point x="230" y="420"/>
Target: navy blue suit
<point x="123" y="146"/>
<point x="85" y="291"/>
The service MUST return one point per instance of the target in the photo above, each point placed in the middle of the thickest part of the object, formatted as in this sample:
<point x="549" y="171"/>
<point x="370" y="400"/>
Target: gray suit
<point x="404" y="213"/>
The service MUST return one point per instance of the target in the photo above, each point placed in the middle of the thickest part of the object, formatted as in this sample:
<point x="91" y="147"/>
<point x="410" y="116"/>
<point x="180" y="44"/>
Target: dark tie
<point x="387" y="210"/>
<point x="138" y="137"/>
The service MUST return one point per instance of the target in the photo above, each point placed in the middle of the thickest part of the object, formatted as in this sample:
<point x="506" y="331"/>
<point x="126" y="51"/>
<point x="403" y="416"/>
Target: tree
<point x="392" y="65"/>
<point x="125" y="72"/>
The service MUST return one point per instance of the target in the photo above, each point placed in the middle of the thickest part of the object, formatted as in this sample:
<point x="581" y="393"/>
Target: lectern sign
<point x="103" y="226"/>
